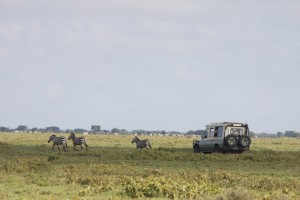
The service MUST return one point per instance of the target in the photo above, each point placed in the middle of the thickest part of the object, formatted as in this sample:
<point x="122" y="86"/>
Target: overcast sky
<point x="155" y="65"/>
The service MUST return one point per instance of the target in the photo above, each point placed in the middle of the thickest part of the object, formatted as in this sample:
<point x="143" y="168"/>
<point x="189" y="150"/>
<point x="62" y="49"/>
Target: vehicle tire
<point x="244" y="141"/>
<point x="230" y="140"/>
<point x="196" y="148"/>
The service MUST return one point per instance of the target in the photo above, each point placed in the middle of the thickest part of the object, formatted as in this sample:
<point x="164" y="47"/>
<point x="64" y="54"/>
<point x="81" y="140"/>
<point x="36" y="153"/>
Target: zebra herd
<point x="61" y="141"/>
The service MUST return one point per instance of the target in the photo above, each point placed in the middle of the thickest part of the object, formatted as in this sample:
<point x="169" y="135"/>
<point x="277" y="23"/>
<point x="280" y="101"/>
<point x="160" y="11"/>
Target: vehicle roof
<point x="227" y="123"/>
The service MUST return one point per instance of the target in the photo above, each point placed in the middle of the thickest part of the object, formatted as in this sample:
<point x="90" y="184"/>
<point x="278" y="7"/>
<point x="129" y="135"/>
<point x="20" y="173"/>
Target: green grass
<point x="113" y="169"/>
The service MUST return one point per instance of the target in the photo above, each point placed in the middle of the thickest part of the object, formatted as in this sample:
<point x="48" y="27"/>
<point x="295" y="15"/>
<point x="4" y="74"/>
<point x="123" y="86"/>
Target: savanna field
<point x="112" y="168"/>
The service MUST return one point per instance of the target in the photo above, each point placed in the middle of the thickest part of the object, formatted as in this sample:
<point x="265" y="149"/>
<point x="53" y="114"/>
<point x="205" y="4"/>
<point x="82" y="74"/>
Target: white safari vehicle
<point x="223" y="137"/>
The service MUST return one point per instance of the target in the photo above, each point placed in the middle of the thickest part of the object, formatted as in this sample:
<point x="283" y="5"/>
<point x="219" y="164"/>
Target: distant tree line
<point x="96" y="129"/>
<point x="51" y="129"/>
<point x="288" y="134"/>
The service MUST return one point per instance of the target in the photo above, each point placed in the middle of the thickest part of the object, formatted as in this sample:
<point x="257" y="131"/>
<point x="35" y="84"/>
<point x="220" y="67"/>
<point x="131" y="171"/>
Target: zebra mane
<point x="53" y="135"/>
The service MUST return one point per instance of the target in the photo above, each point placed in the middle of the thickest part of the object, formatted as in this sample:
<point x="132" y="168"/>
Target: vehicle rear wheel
<point x="244" y="141"/>
<point x="196" y="148"/>
<point x="230" y="140"/>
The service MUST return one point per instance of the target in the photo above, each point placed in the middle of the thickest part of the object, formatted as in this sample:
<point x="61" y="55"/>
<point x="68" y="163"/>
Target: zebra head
<point x="135" y="139"/>
<point x="72" y="135"/>
<point x="51" y="138"/>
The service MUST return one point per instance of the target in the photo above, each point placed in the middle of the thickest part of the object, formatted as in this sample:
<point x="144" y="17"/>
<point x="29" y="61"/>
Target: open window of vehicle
<point x="218" y="131"/>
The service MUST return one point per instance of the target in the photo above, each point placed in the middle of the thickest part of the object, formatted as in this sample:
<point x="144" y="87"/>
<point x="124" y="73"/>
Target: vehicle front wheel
<point x="196" y="148"/>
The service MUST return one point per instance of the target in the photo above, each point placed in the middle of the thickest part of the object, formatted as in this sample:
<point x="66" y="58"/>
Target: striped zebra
<point x="77" y="141"/>
<point x="58" y="141"/>
<point x="141" y="143"/>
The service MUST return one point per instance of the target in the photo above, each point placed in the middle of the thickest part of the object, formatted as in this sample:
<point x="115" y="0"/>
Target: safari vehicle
<point x="223" y="137"/>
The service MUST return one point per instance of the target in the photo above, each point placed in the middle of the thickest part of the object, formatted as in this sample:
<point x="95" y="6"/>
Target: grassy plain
<point x="113" y="169"/>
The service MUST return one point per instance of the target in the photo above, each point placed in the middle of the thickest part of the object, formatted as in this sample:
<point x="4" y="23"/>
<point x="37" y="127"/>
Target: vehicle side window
<point x="218" y="131"/>
<point x="211" y="132"/>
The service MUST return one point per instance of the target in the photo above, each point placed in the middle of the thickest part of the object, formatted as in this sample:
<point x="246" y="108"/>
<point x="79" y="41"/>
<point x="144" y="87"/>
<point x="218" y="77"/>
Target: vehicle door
<point x="207" y="142"/>
<point x="204" y="143"/>
<point x="216" y="138"/>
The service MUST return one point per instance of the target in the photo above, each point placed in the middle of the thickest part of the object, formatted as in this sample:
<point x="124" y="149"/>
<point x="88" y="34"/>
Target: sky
<point x="169" y="65"/>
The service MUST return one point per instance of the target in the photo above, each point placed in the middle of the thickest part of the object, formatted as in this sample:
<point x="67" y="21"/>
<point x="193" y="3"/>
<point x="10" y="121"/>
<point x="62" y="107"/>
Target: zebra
<point x="58" y="141"/>
<point x="77" y="141"/>
<point x="141" y="143"/>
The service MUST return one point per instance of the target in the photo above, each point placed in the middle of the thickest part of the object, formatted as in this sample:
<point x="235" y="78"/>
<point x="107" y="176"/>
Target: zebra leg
<point x="81" y="146"/>
<point x="58" y="147"/>
<point x="53" y="146"/>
